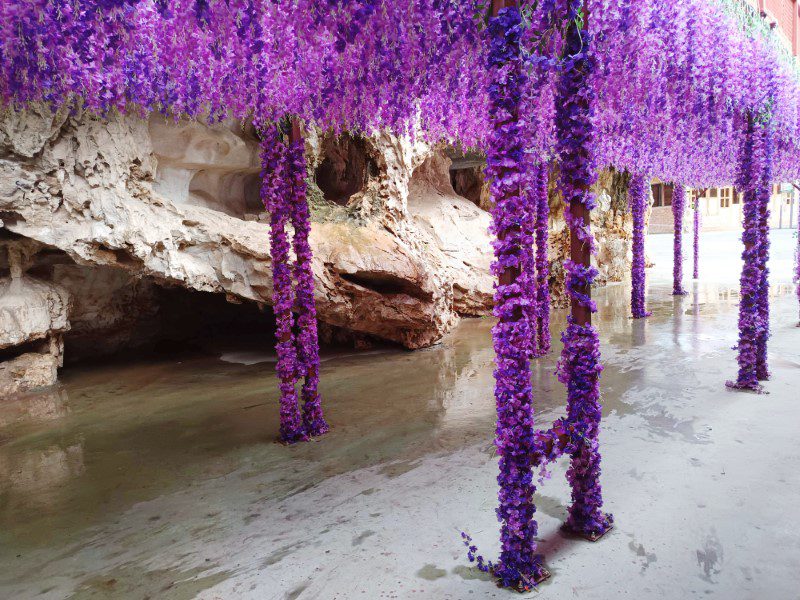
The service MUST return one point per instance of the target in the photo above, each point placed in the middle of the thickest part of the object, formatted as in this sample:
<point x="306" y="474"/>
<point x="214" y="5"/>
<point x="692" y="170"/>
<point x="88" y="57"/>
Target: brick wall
<point x="784" y="13"/>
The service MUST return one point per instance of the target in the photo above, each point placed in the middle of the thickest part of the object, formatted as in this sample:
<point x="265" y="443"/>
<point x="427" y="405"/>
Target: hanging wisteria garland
<point x="363" y="65"/>
<point x="637" y="200"/>
<point x="542" y="311"/>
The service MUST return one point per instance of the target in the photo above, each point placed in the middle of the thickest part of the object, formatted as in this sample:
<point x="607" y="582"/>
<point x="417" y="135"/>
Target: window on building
<point x="656" y="189"/>
<point x="736" y="197"/>
<point x="725" y="198"/>
<point x="668" y="189"/>
<point x="662" y="194"/>
<point x="713" y="192"/>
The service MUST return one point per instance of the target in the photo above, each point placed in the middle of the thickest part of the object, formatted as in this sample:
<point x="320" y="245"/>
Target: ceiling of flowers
<point x="674" y="81"/>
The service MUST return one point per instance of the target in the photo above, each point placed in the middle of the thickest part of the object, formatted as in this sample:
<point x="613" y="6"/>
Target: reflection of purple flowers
<point x="637" y="198"/>
<point x="678" y="208"/>
<point x="283" y="191"/>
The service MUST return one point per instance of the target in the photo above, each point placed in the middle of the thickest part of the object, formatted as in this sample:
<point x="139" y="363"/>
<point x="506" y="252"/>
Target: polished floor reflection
<point x="160" y="478"/>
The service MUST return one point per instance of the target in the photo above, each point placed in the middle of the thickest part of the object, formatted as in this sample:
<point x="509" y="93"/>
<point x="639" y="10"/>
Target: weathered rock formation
<point x="99" y="215"/>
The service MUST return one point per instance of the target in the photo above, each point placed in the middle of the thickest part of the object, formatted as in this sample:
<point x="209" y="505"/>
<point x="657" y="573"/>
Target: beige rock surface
<point x="398" y="254"/>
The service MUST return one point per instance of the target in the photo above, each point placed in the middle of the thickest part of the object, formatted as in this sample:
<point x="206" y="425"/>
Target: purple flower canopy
<point x="421" y="65"/>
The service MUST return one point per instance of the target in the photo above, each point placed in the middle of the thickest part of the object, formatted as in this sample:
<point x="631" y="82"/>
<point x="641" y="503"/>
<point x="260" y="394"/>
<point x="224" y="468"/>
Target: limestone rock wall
<point x="111" y="209"/>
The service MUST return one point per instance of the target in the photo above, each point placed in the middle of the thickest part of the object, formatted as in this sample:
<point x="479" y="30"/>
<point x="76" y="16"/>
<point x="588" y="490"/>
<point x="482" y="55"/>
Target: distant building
<point x="721" y="208"/>
<point x="784" y="14"/>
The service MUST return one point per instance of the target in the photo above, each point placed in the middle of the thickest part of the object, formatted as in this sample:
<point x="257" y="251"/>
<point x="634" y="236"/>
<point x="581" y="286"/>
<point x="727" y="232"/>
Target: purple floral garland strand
<point x="750" y="281"/>
<point x="528" y="277"/>
<point x="579" y="366"/>
<point x="542" y="262"/>
<point x="519" y="566"/>
<point x="276" y="191"/>
<point x="764" y="195"/>
<point x="307" y="341"/>
<point x="637" y="198"/>
<point x="678" y="208"/>
<point x="696" y="270"/>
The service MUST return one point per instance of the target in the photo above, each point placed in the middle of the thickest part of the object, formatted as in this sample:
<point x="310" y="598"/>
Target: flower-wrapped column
<point x="542" y="263"/>
<point x="750" y="282"/>
<point x="276" y="192"/>
<point x="696" y="247"/>
<point x="637" y="199"/>
<point x="579" y="367"/>
<point x="518" y="566"/>
<point x="283" y="192"/>
<point x="764" y="195"/>
<point x="678" y="208"/>
<point x="306" y="341"/>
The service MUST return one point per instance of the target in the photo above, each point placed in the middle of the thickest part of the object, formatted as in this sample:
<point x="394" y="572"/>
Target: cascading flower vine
<point x="637" y="199"/>
<point x="678" y="209"/>
<point x="542" y="263"/>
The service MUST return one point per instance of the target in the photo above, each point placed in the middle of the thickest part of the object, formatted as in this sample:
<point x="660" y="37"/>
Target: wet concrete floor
<point x="160" y="478"/>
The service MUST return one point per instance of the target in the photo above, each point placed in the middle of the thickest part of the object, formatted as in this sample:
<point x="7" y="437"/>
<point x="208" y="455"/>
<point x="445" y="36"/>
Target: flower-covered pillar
<point x="579" y="366"/>
<point x="749" y="180"/>
<point x="637" y="199"/>
<point x="678" y="208"/>
<point x="307" y="340"/>
<point x="542" y="263"/>
<point x="518" y="566"/>
<point x="283" y="192"/>
<point x="763" y="197"/>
